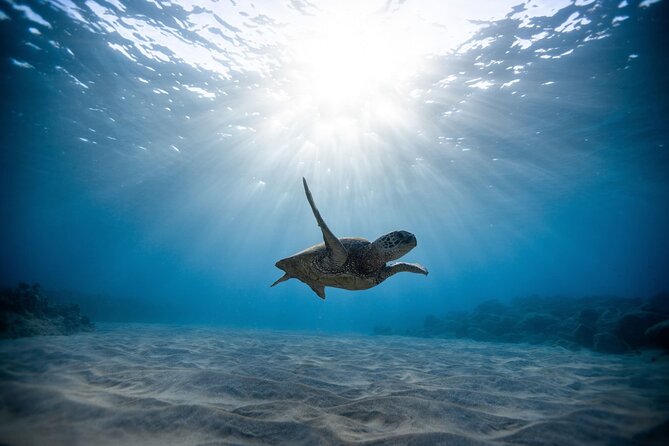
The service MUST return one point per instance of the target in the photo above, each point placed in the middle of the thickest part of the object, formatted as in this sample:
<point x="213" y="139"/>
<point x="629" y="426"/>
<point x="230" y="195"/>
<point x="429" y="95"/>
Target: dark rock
<point x="536" y="323"/>
<point x="632" y="327"/>
<point x="556" y="306"/>
<point x="658" y="334"/>
<point x="609" y="343"/>
<point x="656" y="435"/>
<point x="588" y="317"/>
<point x="584" y="335"/>
<point x="658" y="304"/>
<point x="498" y="325"/>
<point x="528" y="303"/>
<point x="604" y="323"/>
<point x="609" y="317"/>
<point x="461" y="331"/>
<point x="24" y="312"/>
<point x="491" y="307"/>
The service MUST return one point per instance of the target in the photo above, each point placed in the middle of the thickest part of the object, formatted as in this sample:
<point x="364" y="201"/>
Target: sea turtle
<point x="351" y="263"/>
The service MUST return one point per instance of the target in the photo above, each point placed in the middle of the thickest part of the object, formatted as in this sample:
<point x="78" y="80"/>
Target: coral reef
<point x="603" y="324"/>
<point x="25" y="312"/>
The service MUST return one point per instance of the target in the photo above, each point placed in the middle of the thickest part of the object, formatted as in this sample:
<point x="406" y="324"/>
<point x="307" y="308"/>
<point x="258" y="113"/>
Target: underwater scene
<point x="312" y="222"/>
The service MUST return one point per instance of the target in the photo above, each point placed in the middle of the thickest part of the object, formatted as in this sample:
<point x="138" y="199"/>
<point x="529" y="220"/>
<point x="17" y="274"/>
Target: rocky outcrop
<point x="25" y="312"/>
<point x="658" y="334"/>
<point x="609" y="343"/>
<point x="604" y="324"/>
<point x="631" y="328"/>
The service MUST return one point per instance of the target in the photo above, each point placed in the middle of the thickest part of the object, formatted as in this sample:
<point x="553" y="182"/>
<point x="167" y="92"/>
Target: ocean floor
<point x="165" y="385"/>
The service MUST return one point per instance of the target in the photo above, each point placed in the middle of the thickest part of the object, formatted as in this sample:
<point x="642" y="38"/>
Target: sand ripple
<point x="133" y="384"/>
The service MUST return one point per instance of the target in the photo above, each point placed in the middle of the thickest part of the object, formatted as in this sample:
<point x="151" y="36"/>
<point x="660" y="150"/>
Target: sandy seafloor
<point x="164" y="385"/>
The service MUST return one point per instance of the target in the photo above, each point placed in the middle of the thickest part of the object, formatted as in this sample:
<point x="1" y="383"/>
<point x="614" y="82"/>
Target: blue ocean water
<point x="153" y="151"/>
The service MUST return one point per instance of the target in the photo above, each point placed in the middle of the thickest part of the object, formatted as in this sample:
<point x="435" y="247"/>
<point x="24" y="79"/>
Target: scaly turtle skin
<point x="350" y="263"/>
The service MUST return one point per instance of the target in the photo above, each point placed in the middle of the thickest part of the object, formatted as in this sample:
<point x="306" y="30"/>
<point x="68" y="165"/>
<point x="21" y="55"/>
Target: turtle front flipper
<point x="401" y="267"/>
<point x="337" y="254"/>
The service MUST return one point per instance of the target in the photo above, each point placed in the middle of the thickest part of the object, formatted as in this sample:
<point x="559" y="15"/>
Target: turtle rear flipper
<point x="319" y="290"/>
<point x="281" y="279"/>
<point x="337" y="254"/>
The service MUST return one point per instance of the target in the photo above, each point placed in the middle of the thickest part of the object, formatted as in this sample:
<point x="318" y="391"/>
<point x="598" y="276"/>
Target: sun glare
<point x="351" y="64"/>
<point x="347" y="64"/>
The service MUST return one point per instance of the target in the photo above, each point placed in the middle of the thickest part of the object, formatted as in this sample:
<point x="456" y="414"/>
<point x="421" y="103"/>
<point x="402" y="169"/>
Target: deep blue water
<point x="152" y="152"/>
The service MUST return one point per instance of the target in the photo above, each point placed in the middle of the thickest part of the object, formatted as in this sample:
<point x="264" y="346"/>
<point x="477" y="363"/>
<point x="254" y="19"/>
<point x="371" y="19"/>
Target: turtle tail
<point x="281" y="279"/>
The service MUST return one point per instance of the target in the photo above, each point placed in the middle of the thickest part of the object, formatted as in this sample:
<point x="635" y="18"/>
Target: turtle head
<point x="394" y="245"/>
